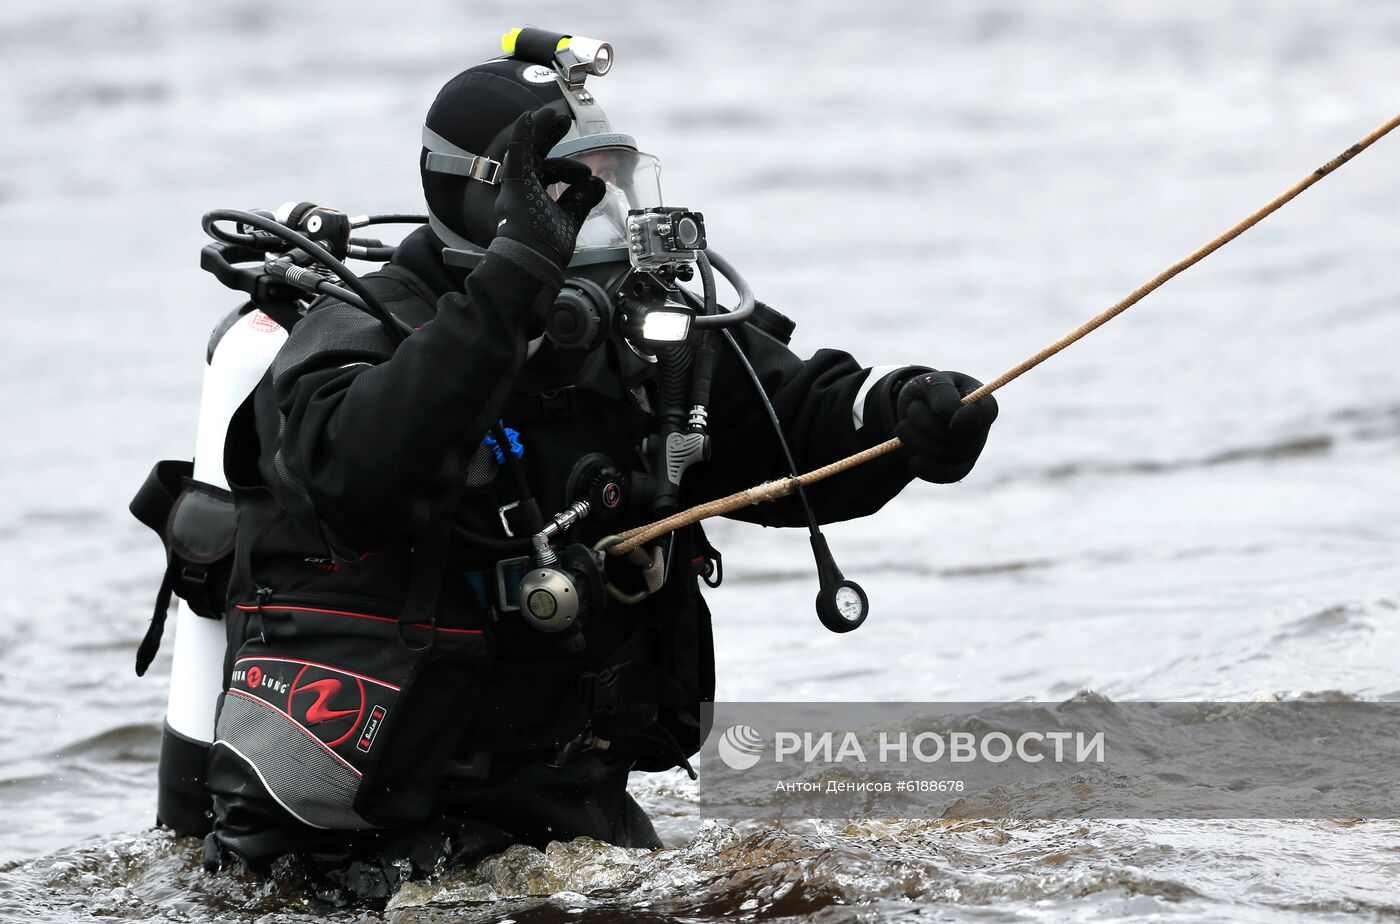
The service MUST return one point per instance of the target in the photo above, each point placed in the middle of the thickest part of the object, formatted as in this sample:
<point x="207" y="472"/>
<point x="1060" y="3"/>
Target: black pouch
<point x="348" y="718"/>
<point x="195" y="522"/>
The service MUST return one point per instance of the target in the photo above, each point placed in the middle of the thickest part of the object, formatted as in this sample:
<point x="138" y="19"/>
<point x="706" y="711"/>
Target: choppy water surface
<point x="1201" y="501"/>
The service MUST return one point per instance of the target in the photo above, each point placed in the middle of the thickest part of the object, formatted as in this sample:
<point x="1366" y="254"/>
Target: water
<point x="1200" y="501"/>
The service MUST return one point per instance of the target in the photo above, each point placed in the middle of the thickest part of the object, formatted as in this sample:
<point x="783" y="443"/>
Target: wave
<point x="137" y="742"/>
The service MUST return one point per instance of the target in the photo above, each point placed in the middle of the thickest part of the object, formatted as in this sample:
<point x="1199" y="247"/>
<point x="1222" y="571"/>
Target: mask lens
<point x="634" y="182"/>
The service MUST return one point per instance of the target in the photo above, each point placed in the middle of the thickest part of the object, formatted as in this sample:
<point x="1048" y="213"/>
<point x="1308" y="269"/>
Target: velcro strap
<point x="150" y="643"/>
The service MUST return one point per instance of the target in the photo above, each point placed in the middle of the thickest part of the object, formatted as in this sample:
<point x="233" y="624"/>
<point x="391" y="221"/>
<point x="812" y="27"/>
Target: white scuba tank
<point x="240" y="358"/>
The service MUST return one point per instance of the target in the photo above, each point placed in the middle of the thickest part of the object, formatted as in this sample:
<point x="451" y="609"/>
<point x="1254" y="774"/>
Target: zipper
<point x="263" y="593"/>
<point x="325" y="605"/>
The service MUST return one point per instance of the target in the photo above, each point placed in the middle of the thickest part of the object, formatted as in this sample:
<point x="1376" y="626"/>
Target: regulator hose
<point x="705" y="351"/>
<point x="360" y="221"/>
<point x="372" y="306"/>
<point x="673" y="363"/>
<point x="746" y="299"/>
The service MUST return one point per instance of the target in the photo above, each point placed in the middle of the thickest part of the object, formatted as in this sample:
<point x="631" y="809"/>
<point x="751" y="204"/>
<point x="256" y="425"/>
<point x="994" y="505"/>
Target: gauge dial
<point x="849" y="603"/>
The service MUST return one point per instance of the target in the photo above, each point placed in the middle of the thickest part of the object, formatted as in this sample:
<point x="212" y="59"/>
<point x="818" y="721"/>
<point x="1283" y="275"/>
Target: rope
<point x="772" y="490"/>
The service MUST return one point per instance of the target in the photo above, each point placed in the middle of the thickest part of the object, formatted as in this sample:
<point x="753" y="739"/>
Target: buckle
<point x="557" y="403"/>
<point x="473" y="167"/>
<point x="601" y="691"/>
<point x="509" y="573"/>
<point x="485" y="169"/>
<point x="193" y="576"/>
<point x="446" y="157"/>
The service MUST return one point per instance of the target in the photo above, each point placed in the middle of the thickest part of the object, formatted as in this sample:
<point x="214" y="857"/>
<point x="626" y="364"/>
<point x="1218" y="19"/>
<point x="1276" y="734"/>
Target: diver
<point x="425" y="643"/>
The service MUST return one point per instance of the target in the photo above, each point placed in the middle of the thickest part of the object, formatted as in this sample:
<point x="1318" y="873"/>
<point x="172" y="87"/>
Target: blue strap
<point x="481" y="586"/>
<point x="484" y="585"/>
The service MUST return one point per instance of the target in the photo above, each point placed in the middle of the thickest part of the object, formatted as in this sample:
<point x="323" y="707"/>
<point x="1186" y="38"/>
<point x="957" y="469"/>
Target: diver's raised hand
<point x="524" y="211"/>
<point x="943" y="437"/>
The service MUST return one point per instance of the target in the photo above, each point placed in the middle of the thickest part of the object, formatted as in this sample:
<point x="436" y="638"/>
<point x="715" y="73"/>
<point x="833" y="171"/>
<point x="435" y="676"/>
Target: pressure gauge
<point x="842" y="606"/>
<point x="850" y="603"/>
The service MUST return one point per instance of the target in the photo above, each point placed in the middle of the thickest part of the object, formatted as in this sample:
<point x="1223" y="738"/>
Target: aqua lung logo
<point x="741" y="746"/>
<point x="260" y="681"/>
<point x="328" y="703"/>
<point x="331" y="705"/>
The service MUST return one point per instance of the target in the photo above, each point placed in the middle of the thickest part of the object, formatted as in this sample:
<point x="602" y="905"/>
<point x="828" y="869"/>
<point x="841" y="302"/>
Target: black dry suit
<point x="338" y="717"/>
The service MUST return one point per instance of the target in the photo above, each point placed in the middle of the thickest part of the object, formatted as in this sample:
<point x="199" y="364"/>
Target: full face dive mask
<point x="631" y="250"/>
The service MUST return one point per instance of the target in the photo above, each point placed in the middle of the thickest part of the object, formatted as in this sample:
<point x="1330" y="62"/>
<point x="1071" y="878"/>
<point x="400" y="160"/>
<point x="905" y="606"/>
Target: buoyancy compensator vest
<point x="309" y="628"/>
<point x="395" y="705"/>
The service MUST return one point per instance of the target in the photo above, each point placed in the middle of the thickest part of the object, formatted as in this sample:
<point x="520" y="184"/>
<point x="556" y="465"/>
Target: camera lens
<point x="687" y="233"/>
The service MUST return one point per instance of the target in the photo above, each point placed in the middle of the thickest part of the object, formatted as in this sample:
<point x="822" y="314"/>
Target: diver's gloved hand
<point x="524" y="211"/>
<point x="943" y="437"/>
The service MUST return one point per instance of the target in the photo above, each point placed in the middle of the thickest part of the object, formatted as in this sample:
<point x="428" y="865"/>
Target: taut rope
<point x="772" y="490"/>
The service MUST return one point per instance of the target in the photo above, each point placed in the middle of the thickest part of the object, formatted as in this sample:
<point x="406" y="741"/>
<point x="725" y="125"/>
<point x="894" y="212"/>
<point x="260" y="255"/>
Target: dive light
<point x="573" y="56"/>
<point x="667" y="323"/>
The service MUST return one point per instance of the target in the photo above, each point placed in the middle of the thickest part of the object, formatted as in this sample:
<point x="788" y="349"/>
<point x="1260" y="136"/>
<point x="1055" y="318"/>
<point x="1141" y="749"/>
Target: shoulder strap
<point x="391" y="273"/>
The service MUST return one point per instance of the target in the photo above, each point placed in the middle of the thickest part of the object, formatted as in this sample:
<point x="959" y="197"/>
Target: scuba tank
<point x="279" y="260"/>
<point x="238" y="360"/>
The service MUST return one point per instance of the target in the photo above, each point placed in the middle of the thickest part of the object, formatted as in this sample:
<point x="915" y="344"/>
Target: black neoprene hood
<point x="475" y="111"/>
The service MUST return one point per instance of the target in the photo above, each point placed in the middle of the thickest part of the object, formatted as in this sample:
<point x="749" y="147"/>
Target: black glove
<point x="524" y="212"/>
<point x="943" y="437"/>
